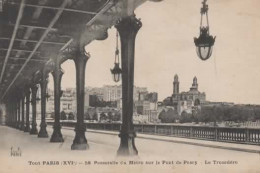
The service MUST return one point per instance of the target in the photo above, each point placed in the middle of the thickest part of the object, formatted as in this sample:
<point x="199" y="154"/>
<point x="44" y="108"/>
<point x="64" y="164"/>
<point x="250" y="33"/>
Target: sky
<point x="165" y="47"/>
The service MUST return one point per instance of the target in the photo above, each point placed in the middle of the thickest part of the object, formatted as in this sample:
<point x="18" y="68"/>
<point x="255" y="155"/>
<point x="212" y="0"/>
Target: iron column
<point x="127" y="28"/>
<point x="34" y="130"/>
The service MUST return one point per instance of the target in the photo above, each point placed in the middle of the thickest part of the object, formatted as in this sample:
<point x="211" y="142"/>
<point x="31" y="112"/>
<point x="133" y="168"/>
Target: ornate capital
<point x="36" y="77"/>
<point x="76" y="52"/>
<point x="57" y="72"/>
<point x="48" y="67"/>
<point x="45" y="74"/>
<point x="44" y="80"/>
<point x="34" y="89"/>
<point x="83" y="55"/>
<point x="129" y="24"/>
<point x="56" y="61"/>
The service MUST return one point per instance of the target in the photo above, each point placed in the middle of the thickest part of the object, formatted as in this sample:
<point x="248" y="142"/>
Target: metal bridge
<point x="36" y="37"/>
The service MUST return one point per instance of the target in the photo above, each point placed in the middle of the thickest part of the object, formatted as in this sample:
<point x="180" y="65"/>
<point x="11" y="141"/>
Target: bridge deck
<point x="103" y="147"/>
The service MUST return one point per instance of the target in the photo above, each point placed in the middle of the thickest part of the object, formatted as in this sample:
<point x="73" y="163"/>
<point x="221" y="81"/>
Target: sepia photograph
<point x="123" y="86"/>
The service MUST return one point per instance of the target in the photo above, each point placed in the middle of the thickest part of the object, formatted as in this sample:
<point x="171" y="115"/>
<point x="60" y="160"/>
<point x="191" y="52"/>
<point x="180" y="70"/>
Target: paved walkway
<point x="171" y="154"/>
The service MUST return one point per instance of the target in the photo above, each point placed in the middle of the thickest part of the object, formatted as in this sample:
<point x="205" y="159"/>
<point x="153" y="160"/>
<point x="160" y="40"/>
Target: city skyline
<point x="230" y="75"/>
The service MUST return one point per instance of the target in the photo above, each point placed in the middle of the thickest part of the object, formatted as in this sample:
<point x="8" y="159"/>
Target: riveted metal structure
<point x="36" y="37"/>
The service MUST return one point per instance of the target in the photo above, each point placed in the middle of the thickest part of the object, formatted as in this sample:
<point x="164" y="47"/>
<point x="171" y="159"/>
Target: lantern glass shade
<point x="116" y="77"/>
<point x="204" y="44"/>
<point x="204" y="52"/>
<point x="116" y="72"/>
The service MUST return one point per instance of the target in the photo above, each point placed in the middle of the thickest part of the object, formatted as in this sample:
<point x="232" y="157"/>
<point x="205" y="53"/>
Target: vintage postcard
<point x="129" y="86"/>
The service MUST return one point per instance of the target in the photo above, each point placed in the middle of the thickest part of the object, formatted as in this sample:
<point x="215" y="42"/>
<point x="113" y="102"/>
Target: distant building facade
<point x="145" y="102"/>
<point x="185" y="101"/>
<point x="146" y="107"/>
<point x="67" y="101"/>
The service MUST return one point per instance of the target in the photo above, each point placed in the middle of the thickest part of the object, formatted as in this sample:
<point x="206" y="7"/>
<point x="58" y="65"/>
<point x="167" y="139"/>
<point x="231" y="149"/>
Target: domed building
<point x="185" y="101"/>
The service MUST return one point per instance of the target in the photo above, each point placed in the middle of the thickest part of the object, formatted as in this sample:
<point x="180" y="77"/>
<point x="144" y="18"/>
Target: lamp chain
<point x="117" y="50"/>
<point x="204" y="11"/>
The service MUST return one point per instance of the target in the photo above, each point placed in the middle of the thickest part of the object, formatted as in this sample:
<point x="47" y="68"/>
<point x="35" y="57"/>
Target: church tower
<point x="176" y="85"/>
<point x="194" y="84"/>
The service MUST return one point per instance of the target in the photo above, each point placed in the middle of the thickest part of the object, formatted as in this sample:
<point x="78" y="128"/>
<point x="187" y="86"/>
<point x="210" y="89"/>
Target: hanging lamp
<point x="204" y="43"/>
<point x="116" y="71"/>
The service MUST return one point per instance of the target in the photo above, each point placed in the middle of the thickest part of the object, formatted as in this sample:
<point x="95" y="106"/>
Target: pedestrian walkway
<point x="171" y="155"/>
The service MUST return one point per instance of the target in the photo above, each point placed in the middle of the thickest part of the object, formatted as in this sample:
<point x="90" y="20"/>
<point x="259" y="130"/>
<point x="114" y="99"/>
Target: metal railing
<point x="224" y="134"/>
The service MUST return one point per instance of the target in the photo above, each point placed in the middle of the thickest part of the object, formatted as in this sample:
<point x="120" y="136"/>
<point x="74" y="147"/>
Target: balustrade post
<point x="191" y="132"/>
<point x="216" y="133"/>
<point x="247" y="135"/>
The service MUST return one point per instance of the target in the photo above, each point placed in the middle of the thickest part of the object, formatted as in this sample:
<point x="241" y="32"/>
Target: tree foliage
<point x="102" y="116"/>
<point x="236" y="113"/>
<point x="216" y="113"/>
<point x="94" y="101"/>
<point x="169" y="116"/>
<point x="71" y="116"/>
<point x="87" y="116"/>
<point x="186" y="117"/>
<point x="63" y="115"/>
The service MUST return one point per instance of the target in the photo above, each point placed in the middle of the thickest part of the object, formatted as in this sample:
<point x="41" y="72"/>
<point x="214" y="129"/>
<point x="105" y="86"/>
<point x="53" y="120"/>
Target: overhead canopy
<point x="34" y="31"/>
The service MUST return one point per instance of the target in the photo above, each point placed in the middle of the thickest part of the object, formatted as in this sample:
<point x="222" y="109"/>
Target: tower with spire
<point x="186" y="100"/>
<point x="194" y="86"/>
<point x="176" y="85"/>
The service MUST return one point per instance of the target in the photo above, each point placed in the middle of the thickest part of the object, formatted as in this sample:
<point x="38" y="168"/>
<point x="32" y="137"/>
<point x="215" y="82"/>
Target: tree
<point x="168" y="117"/>
<point x="86" y="116"/>
<point x="162" y="116"/>
<point x="71" y="116"/>
<point x="171" y="115"/>
<point x="103" y="116"/>
<point x="95" y="116"/>
<point x="196" y="112"/>
<point x="52" y="115"/>
<point x="257" y="113"/>
<point x="117" y="116"/>
<point x="63" y="115"/>
<point x="110" y="115"/>
<point x="186" y="117"/>
<point x="207" y="114"/>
